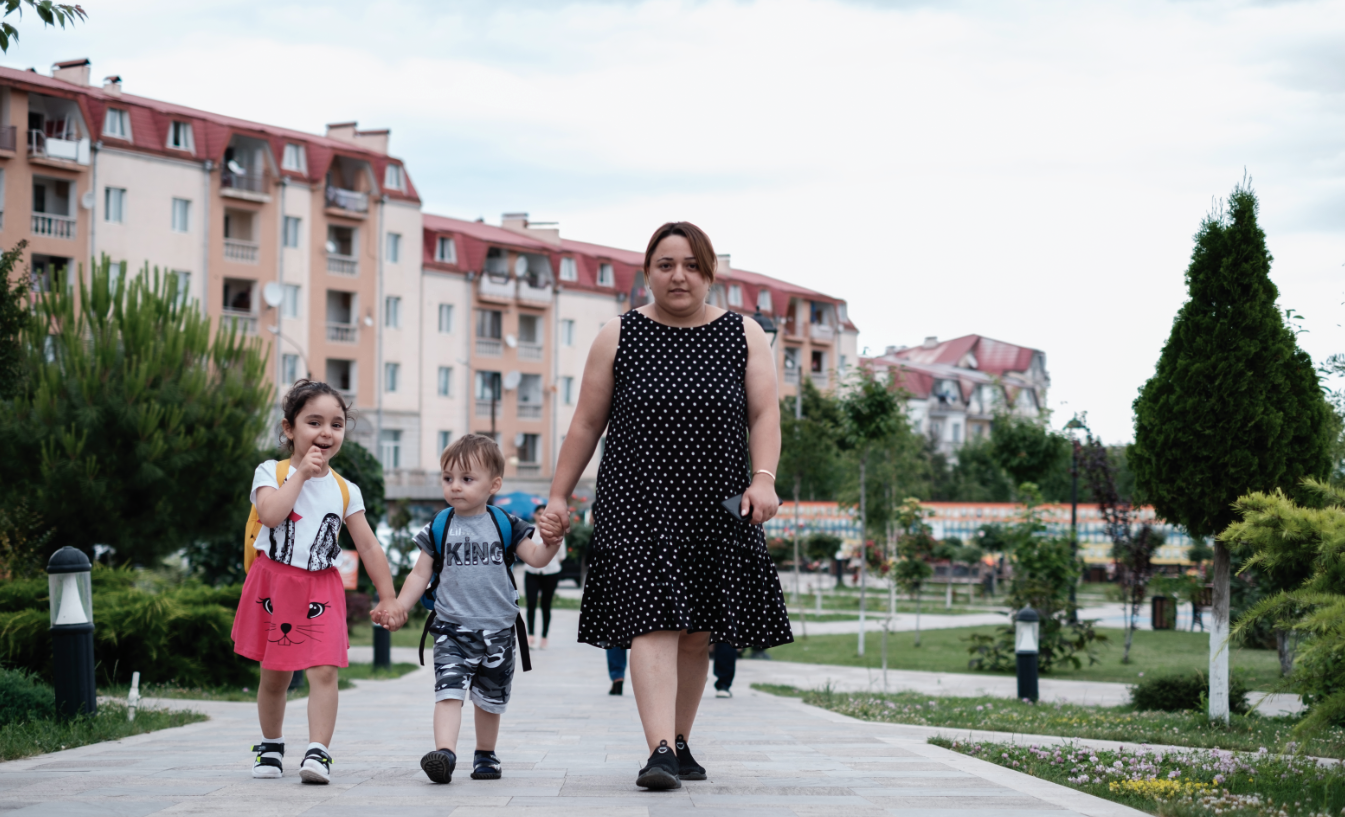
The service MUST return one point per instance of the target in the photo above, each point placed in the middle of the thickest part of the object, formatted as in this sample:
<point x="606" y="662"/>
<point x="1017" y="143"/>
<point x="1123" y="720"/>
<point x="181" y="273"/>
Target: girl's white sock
<point x="280" y="740"/>
<point x="316" y="745"/>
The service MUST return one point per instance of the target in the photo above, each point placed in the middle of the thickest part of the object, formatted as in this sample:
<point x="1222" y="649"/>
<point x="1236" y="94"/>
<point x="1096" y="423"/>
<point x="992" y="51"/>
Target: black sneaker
<point x="316" y="767"/>
<point x="616" y="686"/>
<point x="661" y="772"/>
<point x="439" y="765"/>
<point x="268" y="764"/>
<point x="485" y="766"/>
<point x="689" y="769"/>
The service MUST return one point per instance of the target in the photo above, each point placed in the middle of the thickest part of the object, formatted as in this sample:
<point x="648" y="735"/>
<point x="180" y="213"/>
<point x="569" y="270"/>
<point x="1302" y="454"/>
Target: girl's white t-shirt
<point x="308" y="538"/>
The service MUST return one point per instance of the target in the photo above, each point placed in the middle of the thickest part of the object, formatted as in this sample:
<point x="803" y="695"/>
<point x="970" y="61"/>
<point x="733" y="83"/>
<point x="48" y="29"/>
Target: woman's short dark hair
<point x="298" y="396"/>
<point x="701" y="248"/>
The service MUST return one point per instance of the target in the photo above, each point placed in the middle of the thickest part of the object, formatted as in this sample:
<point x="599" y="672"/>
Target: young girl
<point x="292" y="615"/>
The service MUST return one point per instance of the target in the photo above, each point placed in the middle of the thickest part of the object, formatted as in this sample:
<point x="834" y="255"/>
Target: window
<point x="446" y="318"/>
<point x="488" y="323"/>
<point x="289" y="306"/>
<point x="289" y="368"/>
<point x="392" y="312"/>
<point x="394" y="247"/>
<point x="840" y="366"/>
<point x="527" y="452"/>
<point x="394" y="178"/>
<point x="183" y="285"/>
<point x="291" y="237"/>
<point x="294" y="159"/>
<point x="181" y="215"/>
<point x="445" y="381"/>
<point x="840" y="310"/>
<point x="487" y="385"/>
<point x="341" y="374"/>
<point x="529" y="329"/>
<point x="735" y="295"/>
<point x="764" y="300"/>
<point x="391" y="371"/>
<point x="446" y="250"/>
<point x="114" y="204"/>
<point x="569" y="270"/>
<point x="567" y="390"/>
<point x="390" y="447"/>
<point x="567" y="332"/>
<point x="445" y="437"/>
<point x="819" y="363"/>
<point x="117" y="124"/>
<point x="957" y="432"/>
<point x="605" y="276"/>
<point x="179" y="136"/>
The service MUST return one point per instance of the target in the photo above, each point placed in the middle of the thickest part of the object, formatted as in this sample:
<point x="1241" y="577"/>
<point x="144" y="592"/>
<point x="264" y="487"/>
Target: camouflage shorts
<point x="480" y="660"/>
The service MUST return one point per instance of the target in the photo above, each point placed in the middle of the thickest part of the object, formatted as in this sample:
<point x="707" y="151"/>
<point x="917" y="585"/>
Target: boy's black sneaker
<point x="688" y="768"/>
<point x="485" y="766"/>
<point x="661" y="772"/>
<point x="439" y="765"/>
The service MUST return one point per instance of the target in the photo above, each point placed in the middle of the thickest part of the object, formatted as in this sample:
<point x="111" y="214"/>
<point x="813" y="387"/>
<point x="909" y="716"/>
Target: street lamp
<point x="71" y="594"/>
<point x="767" y="325"/>
<point x="1026" y="627"/>
<point x="1076" y="423"/>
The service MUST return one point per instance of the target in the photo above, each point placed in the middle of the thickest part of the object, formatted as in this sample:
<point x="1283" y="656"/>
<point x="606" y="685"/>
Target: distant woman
<point x="686" y="393"/>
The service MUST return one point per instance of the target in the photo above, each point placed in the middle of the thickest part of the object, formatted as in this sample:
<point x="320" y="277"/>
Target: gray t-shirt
<point x="474" y="589"/>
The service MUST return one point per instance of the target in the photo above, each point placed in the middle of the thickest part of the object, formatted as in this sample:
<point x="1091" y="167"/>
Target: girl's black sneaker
<point x="616" y="686"/>
<point x="439" y="765"/>
<point x="661" y="772"/>
<point x="485" y="766"/>
<point x="688" y="768"/>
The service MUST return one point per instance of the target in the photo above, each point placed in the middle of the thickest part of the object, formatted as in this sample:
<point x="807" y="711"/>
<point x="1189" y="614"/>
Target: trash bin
<point x="1164" y="612"/>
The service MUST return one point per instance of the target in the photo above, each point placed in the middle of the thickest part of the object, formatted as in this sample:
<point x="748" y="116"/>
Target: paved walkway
<point x="568" y="749"/>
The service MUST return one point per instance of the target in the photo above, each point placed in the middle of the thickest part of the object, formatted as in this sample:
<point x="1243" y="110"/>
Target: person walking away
<point x="726" y="664"/>
<point x="686" y="394"/>
<point x="541" y="582"/>
<point x="616" y="669"/>
<point x="292" y="612"/>
<point x="475" y="603"/>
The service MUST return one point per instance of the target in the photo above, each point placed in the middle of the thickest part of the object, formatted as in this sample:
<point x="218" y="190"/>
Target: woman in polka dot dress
<point x="687" y="394"/>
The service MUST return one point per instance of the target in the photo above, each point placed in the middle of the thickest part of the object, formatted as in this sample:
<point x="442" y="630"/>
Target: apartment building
<point x="309" y="242"/>
<point x="956" y="387"/>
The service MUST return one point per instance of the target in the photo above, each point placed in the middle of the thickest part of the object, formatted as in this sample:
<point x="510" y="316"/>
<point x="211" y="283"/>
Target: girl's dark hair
<point x="701" y="248"/>
<point x="298" y="396"/>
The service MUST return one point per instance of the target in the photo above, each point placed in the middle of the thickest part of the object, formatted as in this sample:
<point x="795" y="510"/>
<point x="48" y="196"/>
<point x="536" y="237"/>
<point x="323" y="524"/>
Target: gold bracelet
<point x="764" y="471"/>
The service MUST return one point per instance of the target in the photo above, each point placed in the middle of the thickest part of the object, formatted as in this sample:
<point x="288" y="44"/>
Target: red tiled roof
<point x="992" y="356"/>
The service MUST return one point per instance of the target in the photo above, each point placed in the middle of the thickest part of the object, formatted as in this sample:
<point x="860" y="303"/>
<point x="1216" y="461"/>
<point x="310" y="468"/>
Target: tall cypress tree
<point x="1234" y="405"/>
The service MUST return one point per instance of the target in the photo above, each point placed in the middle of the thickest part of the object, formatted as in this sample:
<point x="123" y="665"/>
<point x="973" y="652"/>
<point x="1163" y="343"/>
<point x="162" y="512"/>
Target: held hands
<point x="389" y="615"/>
<point x="761" y="499"/>
<point x="554" y="522"/>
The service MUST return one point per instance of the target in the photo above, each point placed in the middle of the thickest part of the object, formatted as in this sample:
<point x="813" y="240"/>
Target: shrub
<point x="24" y="698"/>
<point x="1175" y="693"/>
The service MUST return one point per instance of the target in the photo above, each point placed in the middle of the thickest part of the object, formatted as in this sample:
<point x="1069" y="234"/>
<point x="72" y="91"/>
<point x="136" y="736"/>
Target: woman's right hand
<point x="558" y="510"/>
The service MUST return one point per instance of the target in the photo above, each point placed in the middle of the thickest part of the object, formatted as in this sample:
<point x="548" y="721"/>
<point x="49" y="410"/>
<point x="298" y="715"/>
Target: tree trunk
<point x="948" y="590"/>
<point x="917" y="617"/>
<point x="863" y="550"/>
<point x="1285" y="646"/>
<point x="1130" y="636"/>
<point x="1219" y="636"/>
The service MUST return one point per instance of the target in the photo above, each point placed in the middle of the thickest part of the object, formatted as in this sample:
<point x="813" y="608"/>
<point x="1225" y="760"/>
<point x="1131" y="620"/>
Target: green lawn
<point x="1245" y="733"/>
<point x="354" y="672"/>
<point x="38" y="737"/>
<point x="1165" y="651"/>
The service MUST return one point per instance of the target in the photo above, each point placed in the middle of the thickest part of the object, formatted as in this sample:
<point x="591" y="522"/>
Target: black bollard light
<point x="382" y="644"/>
<point x="1026" y="631"/>
<point x="71" y="594"/>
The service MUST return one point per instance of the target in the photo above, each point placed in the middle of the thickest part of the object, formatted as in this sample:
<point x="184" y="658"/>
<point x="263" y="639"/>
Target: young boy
<point x="475" y="605"/>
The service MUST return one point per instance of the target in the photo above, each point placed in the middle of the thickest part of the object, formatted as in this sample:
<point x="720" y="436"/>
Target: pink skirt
<point x="290" y="618"/>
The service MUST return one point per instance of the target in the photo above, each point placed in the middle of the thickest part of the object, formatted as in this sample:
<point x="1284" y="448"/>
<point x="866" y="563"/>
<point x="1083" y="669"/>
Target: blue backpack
<point x="439" y="534"/>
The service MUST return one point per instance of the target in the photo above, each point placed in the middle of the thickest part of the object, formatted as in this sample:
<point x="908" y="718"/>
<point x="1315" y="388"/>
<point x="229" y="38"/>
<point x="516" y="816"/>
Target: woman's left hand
<point x="760" y="496"/>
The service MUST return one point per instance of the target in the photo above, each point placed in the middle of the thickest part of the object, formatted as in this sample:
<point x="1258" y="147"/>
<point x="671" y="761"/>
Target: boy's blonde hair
<point x="473" y="449"/>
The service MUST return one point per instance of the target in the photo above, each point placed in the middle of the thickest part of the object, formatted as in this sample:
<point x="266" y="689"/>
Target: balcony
<point x="244" y="252"/>
<point x="248" y="185"/>
<point x="9" y="138"/>
<point x="530" y="351"/>
<point x="534" y="295"/>
<point x="348" y="200"/>
<point x="342" y="264"/>
<point x="244" y="323"/>
<point x="54" y="226"/>
<point x="529" y="469"/>
<point x="483" y="408"/>
<point x="529" y="411"/>
<point x="792" y="375"/>
<point x="343" y="332"/>
<point x="821" y="333"/>
<point x="41" y="146"/>
<point x="489" y="347"/>
<point x="821" y="380"/>
<point x="497" y="288"/>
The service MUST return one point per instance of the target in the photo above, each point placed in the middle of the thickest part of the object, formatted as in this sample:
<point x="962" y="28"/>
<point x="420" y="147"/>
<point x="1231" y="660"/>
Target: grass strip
<point x="1180" y="783"/>
<point x="28" y="738"/>
<point x="345" y="675"/>
<point x="1190" y="729"/>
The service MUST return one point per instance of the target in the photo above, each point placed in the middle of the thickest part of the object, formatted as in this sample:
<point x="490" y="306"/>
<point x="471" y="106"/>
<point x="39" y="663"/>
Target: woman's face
<point x="678" y="285"/>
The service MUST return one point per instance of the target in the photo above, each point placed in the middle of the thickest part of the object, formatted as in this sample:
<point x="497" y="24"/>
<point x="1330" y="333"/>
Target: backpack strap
<point x="345" y="491"/>
<point x="254" y="525"/>
<point x="506" y="531"/>
<point x="438" y="533"/>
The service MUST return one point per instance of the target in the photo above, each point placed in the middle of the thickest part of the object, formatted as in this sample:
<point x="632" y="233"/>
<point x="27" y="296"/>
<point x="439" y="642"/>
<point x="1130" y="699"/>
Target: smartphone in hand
<point x="734" y="506"/>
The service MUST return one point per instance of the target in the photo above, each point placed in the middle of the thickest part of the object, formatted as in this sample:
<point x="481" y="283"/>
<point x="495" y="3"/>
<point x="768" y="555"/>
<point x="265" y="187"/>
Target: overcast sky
<point x="1029" y="171"/>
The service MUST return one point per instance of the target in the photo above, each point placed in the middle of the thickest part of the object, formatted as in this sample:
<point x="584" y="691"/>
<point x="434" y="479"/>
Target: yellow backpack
<point x="255" y="524"/>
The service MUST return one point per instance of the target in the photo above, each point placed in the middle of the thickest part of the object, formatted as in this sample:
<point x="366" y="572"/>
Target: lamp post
<point x="382" y="644"/>
<point x="71" y="594"/>
<point x="1026" y="631"/>
<point x="1074" y="424"/>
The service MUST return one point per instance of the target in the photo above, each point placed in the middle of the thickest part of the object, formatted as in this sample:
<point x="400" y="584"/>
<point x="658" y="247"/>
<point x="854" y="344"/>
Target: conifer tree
<point x="1234" y="405"/>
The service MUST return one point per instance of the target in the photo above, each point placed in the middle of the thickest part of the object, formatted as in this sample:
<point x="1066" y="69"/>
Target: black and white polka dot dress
<point x="665" y="555"/>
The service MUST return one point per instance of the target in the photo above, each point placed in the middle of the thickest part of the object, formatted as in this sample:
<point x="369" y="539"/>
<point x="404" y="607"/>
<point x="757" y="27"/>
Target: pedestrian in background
<point x="616" y="669"/>
<point x="541" y="582"/>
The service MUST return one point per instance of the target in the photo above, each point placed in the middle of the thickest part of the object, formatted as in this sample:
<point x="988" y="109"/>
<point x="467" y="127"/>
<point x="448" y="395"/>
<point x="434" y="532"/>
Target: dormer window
<point x="569" y="270"/>
<point x="118" y="124"/>
<point x="446" y="250"/>
<point x="393" y="178"/>
<point x="180" y="137"/>
<point x="735" y="295"/>
<point x="605" y="276"/>
<point x="840" y="310"/>
<point x="294" y="158"/>
<point x="764" y="300"/>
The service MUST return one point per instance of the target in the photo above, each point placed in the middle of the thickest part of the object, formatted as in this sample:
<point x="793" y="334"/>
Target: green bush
<point x="24" y="698"/>
<point x="179" y="635"/>
<point x="1176" y="693"/>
